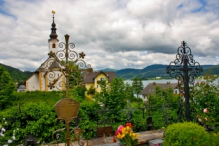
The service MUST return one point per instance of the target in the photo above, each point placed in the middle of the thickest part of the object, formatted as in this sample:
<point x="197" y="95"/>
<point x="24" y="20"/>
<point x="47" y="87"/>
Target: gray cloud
<point x="115" y="34"/>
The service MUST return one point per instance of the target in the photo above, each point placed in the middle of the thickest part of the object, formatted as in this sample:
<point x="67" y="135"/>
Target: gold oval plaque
<point x="67" y="109"/>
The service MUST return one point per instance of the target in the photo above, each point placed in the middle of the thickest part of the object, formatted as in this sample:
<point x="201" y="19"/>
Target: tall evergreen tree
<point x="7" y="86"/>
<point x="137" y="85"/>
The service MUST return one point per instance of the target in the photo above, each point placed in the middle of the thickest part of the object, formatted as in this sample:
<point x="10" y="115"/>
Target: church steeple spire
<point x="53" y="41"/>
<point x="53" y="34"/>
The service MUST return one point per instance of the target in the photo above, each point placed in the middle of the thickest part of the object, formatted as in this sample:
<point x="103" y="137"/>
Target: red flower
<point x="129" y="124"/>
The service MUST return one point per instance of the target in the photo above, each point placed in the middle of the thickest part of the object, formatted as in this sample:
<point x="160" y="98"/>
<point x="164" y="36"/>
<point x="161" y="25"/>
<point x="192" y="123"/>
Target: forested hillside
<point x="16" y="74"/>
<point x="158" y="70"/>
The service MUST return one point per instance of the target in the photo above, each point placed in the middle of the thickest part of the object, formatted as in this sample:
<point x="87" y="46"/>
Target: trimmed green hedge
<point x="186" y="134"/>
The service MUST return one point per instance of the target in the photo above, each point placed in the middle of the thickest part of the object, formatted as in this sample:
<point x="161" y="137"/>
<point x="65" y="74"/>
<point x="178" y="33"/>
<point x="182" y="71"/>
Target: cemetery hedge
<point x="188" y="134"/>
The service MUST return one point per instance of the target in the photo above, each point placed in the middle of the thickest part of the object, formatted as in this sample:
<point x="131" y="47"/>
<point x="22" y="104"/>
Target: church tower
<point x="53" y="41"/>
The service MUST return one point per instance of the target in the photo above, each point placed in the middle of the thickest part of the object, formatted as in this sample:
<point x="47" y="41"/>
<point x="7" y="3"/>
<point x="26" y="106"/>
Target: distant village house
<point x="150" y="88"/>
<point x="93" y="79"/>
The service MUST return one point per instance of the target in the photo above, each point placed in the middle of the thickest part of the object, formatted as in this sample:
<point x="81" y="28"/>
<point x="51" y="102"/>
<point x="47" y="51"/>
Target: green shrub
<point x="214" y="139"/>
<point x="32" y="118"/>
<point x="186" y="134"/>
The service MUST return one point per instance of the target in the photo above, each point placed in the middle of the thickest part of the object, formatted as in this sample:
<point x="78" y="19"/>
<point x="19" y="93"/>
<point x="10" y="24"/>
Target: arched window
<point x="53" y="45"/>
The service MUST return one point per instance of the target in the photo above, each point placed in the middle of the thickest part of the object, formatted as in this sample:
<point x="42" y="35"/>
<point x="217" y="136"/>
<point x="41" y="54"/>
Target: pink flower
<point x="200" y="120"/>
<point x="202" y="82"/>
<point x="119" y="130"/>
<point x="120" y="127"/>
<point x="205" y="110"/>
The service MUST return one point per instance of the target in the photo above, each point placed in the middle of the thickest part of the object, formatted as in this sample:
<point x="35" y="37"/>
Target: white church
<point x="48" y="76"/>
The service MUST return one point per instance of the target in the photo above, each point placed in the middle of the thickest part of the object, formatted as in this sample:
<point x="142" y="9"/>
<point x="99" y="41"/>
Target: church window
<point x="53" y="45"/>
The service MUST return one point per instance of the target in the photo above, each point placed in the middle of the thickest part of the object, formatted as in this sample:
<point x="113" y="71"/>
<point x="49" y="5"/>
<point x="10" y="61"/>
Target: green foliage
<point x="113" y="97"/>
<point x="81" y="91"/>
<point x="137" y="85"/>
<point x="186" y="134"/>
<point x="91" y="91"/>
<point x="50" y="98"/>
<point x="138" y="121"/>
<point x="214" y="139"/>
<point x="205" y="96"/>
<point x="156" y="103"/>
<point x="89" y="118"/>
<point x="129" y="93"/>
<point x="6" y="88"/>
<point x="31" y="118"/>
<point x="16" y="74"/>
<point x="75" y="76"/>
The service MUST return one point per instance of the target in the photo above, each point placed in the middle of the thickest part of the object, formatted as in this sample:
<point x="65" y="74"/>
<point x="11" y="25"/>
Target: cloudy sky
<point x="112" y="33"/>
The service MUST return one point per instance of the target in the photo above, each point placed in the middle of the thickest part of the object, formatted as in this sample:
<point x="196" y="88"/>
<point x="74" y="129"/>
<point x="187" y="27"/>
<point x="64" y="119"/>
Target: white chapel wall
<point x="33" y="83"/>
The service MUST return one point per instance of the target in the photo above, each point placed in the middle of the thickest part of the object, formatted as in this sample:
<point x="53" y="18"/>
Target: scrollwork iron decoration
<point x="58" y="135"/>
<point x="184" y="68"/>
<point x="72" y="56"/>
<point x="178" y="66"/>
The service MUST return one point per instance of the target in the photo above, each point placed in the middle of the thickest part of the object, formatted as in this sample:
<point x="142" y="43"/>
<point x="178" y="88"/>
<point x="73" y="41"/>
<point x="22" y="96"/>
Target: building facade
<point x="49" y="75"/>
<point x="150" y="88"/>
<point x="92" y="80"/>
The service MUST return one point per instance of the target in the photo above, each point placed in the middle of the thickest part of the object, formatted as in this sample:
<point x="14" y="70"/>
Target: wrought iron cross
<point x="184" y="69"/>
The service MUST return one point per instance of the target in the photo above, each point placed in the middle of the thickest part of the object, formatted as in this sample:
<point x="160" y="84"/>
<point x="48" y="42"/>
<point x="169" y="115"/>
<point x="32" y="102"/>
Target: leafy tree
<point x="113" y="96"/>
<point x="137" y="85"/>
<point x="156" y="106"/>
<point x="129" y="92"/>
<point x="6" y="87"/>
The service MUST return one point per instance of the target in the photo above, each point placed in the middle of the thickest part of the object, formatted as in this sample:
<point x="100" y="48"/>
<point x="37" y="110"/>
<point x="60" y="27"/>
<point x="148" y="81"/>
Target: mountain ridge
<point x="151" y="71"/>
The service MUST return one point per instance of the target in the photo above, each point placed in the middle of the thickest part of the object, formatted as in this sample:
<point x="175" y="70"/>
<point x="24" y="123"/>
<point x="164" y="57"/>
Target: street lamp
<point x="184" y="69"/>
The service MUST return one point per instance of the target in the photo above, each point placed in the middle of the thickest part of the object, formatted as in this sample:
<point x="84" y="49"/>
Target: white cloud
<point x="111" y="33"/>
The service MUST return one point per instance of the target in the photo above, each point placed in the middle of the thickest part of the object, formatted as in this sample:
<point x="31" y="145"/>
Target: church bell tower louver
<point x="53" y="41"/>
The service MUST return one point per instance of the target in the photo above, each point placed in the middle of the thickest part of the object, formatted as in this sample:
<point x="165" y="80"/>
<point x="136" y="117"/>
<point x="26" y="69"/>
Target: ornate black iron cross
<point x="184" y="69"/>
